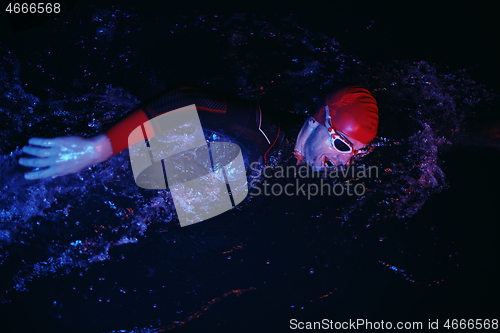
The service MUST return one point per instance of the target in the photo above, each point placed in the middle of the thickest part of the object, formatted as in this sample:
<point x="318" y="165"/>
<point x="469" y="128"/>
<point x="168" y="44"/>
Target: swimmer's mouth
<point x="323" y="162"/>
<point x="328" y="163"/>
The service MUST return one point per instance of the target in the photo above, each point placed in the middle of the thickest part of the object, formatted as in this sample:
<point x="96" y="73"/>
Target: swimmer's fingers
<point x="37" y="162"/>
<point x="37" y="151"/>
<point x="43" y="142"/>
<point x="49" y="172"/>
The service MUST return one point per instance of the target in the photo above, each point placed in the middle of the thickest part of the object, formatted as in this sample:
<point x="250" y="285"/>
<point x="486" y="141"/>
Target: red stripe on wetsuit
<point x="204" y="100"/>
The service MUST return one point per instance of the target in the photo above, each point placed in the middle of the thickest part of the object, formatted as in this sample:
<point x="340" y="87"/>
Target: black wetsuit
<point x="256" y="132"/>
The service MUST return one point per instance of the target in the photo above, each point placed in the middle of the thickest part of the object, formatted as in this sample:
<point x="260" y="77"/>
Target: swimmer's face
<point x="317" y="148"/>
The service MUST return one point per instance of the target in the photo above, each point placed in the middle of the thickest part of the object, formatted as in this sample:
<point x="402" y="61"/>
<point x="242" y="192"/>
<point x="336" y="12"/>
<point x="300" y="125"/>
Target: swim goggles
<point x="337" y="139"/>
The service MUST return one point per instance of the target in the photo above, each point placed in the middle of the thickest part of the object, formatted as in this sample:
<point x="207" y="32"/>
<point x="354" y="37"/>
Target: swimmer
<point x="343" y="125"/>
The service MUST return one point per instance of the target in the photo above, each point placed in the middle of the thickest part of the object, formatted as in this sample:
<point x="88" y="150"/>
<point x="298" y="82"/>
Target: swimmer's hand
<point x="64" y="155"/>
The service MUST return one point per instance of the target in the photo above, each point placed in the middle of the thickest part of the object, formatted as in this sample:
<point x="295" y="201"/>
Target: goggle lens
<point x="341" y="146"/>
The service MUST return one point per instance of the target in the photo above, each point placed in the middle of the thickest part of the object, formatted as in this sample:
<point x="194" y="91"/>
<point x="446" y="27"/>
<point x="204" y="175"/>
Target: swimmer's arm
<point x="64" y="155"/>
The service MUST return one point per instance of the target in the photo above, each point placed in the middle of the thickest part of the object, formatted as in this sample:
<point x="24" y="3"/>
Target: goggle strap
<point x="328" y="119"/>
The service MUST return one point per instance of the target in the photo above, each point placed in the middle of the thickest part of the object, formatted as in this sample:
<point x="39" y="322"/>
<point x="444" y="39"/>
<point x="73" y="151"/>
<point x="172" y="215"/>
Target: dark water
<point x="93" y="253"/>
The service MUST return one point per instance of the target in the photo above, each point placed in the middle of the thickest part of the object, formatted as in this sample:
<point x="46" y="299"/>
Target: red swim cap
<point x="353" y="111"/>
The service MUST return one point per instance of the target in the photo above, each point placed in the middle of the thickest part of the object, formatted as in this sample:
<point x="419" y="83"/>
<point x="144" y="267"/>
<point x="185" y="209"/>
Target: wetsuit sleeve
<point x="119" y="133"/>
<point x="205" y="101"/>
<point x="239" y="119"/>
